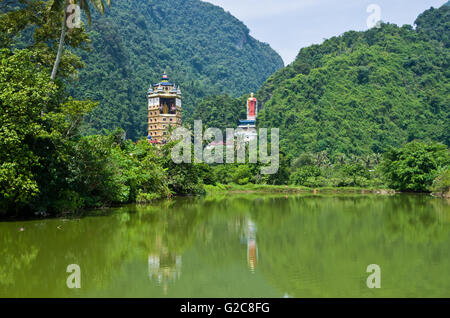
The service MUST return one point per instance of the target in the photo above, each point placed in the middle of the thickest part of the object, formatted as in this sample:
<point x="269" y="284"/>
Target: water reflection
<point x="236" y="246"/>
<point x="164" y="268"/>
<point x="249" y="238"/>
<point x="244" y="227"/>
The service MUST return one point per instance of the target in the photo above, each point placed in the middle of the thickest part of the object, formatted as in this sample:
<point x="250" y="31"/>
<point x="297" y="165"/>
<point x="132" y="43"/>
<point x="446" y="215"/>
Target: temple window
<point x="168" y="105"/>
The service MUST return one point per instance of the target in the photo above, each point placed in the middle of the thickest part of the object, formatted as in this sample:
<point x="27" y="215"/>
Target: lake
<point x="236" y="245"/>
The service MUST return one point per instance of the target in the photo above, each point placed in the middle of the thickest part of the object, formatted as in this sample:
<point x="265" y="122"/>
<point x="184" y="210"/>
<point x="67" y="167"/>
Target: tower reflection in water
<point x="252" y="248"/>
<point x="164" y="268"/>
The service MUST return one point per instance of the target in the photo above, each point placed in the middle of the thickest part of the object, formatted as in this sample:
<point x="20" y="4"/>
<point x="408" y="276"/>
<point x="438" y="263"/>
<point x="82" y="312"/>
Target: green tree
<point x="355" y="171"/>
<point x="33" y="144"/>
<point x="435" y="23"/>
<point x="442" y="183"/>
<point x="30" y="24"/>
<point x="414" y="166"/>
<point x="301" y="176"/>
<point x="24" y="92"/>
<point x="242" y="174"/>
<point x="221" y="111"/>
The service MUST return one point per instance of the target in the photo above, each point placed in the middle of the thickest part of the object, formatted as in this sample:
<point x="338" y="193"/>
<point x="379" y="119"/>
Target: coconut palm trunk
<point x="55" y="5"/>
<point x="61" y="45"/>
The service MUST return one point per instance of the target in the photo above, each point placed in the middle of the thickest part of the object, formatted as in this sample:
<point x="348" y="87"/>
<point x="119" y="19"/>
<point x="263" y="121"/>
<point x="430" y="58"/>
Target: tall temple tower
<point x="248" y="126"/>
<point x="164" y="109"/>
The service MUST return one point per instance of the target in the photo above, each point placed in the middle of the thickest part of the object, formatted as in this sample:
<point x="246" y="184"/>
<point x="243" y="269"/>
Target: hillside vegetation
<point x="362" y="92"/>
<point x="201" y="47"/>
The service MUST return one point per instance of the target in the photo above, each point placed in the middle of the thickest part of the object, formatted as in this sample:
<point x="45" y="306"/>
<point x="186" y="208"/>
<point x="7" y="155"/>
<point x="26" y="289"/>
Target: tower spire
<point x="164" y="77"/>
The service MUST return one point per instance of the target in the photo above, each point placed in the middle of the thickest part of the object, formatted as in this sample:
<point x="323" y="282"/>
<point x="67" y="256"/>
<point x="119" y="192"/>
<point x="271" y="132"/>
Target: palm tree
<point x="321" y="159"/>
<point x="85" y="5"/>
<point x="340" y="158"/>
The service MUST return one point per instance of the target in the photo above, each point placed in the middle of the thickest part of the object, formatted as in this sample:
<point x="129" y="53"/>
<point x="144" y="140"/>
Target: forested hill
<point x="199" y="45"/>
<point x="364" y="91"/>
<point x="436" y="24"/>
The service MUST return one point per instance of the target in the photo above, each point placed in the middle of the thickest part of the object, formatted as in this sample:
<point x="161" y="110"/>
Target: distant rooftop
<point x="247" y="122"/>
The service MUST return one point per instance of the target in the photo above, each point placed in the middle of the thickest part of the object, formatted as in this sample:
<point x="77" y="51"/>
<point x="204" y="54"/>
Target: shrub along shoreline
<point x="291" y="189"/>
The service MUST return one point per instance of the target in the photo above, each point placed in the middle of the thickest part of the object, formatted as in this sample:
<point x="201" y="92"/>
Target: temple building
<point x="164" y="109"/>
<point x="248" y="126"/>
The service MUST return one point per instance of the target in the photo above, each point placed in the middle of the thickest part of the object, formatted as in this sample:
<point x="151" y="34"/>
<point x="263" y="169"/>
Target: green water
<point x="236" y="246"/>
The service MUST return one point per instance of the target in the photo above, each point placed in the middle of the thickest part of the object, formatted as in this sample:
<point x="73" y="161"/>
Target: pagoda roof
<point x="163" y="84"/>
<point x="157" y="88"/>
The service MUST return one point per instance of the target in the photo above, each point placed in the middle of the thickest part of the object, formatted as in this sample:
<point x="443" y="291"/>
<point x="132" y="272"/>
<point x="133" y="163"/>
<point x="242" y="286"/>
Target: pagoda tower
<point x="248" y="126"/>
<point x="164" y="109"/>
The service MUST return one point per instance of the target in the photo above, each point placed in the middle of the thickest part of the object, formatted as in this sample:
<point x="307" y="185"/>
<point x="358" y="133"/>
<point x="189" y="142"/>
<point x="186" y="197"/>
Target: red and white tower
<point x="248" y="126"/>
<point x="252" y="108"/>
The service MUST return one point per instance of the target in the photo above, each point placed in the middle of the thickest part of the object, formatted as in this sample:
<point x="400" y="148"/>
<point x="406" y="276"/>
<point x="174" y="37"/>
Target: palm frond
<point x="84" y="5"/>
<point x="99" y="5"/>
<point x="55" y="5"/>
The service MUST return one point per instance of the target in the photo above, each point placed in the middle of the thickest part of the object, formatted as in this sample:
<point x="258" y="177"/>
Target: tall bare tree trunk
<point x="61" y="45"/>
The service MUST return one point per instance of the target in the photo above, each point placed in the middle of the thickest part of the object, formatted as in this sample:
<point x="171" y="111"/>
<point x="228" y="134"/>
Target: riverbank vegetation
<point x="289" y="189"/>
<point x="415" y="167"/>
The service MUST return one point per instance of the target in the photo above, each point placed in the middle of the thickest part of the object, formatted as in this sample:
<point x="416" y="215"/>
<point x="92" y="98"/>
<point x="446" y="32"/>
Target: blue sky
<point x="289" y="25"/>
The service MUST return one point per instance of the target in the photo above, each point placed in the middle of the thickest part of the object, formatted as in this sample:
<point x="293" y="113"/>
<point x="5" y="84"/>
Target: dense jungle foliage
<point x="46" y="165"/>
<point x="435" y="23"/>
<point x="415" y="167"/>
<point x="221" y="111"/>
<point x="362" y="92"/>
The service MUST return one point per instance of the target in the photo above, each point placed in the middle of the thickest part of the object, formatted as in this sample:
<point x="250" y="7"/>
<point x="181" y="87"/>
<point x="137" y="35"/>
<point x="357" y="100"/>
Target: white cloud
<point x="256" y="9"/>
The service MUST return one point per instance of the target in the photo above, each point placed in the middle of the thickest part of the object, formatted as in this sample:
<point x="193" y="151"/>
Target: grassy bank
<point x="264" y="188"/>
